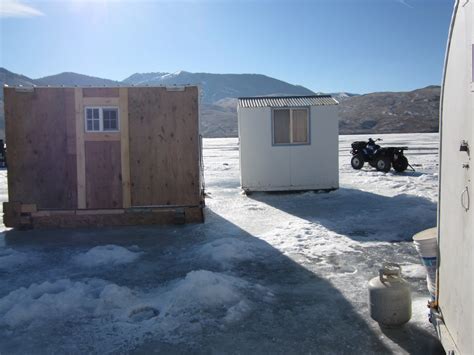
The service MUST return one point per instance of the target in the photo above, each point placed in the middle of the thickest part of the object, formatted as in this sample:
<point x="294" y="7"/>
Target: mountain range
<point x="383" y="112"/>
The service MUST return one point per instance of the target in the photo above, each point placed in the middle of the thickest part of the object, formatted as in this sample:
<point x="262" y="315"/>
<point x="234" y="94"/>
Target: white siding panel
<point x="456" y="234"/>
<point x="261" y="164"/>
<point x="317" y="164"/>
<point x="265" y="167"/>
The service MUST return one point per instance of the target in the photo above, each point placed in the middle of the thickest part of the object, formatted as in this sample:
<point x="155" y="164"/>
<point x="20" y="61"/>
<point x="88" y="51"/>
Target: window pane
<point x="96" y="113"/>
<point x="106" y="123"/>
<point x="89" y="113"/>
<point x="281" y="126"/>
<point x="300" y="126"/>
<point x="113" y="125"/>
<point x="89" y="125"/>
<point x="110" y="119"/>
<point x="96" y="125"/>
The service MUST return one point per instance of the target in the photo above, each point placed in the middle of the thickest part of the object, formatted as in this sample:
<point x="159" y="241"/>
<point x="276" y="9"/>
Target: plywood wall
<point x="40" y="138"/>
<point x="164" y="146"/>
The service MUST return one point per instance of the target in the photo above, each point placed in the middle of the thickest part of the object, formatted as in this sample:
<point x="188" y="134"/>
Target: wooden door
<point x="103" y="174"/>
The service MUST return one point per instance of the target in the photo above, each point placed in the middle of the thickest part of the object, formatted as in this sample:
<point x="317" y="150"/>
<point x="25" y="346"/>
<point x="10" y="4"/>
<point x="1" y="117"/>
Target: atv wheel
<point x="357" y="161"/>
<point x="401" y="164"/>
<point x="382" y="164"/>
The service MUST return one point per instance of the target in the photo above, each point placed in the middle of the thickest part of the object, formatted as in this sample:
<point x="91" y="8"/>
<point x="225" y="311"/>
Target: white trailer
<point x="455" y="296"/>
<point x="288" y="143"/>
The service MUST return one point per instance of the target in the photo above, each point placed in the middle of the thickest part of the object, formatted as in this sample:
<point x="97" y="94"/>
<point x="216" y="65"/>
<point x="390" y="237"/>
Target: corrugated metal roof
<point x="287" y="101"/>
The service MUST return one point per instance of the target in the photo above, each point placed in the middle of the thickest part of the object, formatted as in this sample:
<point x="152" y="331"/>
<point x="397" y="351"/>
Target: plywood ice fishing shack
<point x="102" y="156"/>
<point x="288" y="143"/>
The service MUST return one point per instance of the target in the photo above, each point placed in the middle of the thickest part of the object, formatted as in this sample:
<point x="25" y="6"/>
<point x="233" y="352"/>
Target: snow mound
<point x="414" y="271"/>
<point x="110" y="255"/>
<point x="173" y="313"/>
<point x="11" y="258"/>
<point x="61" y="299"/>
<point x="204" y="298"/>
<point x="230" y="251"/>
<point x="203" y="289"/>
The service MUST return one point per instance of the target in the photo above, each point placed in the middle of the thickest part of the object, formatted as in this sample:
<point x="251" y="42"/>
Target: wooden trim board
<point x="102" y="136"/>
<point x="80" y="149"/>
<point x="125" y="147"/>
<point x="101" y="101"/>
<point x="100" y="217"/>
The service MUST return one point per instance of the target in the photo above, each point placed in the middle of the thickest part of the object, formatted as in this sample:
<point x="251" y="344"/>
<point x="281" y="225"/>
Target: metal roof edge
<point x="287" y="101"/>
<point x="283" y="97"/>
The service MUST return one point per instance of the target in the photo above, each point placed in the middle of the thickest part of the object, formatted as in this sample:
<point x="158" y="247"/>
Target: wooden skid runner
<point x="17" y="215"/>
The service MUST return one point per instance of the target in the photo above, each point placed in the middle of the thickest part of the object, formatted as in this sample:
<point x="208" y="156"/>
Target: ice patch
<point x="308" y="239"/>
<point x="10" y="258"/>
<point x="110" y="255"/>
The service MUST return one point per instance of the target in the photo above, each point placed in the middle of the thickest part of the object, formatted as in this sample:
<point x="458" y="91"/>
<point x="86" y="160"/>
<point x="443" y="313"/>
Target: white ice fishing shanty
<point x="453" y="309"/>
<point x="288" y="143"/>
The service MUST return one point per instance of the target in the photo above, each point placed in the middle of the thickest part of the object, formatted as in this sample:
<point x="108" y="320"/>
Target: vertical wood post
<point x="80" y="149"/>
<point x="125" y="147"/>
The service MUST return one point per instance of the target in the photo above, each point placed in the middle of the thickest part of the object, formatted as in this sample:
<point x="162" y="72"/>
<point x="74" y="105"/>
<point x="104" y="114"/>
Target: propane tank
<point x="390" y="297"/>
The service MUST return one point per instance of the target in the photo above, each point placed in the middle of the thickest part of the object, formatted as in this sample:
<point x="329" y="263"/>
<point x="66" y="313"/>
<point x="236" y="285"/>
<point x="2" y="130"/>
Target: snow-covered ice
<point x="266" y="273"/>
<point x="10" y="258"/>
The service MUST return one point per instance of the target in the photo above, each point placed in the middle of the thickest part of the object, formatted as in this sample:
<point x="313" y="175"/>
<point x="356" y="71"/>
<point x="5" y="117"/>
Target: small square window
<point x="290" y="126"/>
<point x="101" y="119"/>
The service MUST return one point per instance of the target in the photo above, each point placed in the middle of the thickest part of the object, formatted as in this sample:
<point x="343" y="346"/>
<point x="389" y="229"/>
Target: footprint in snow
<point x="143" y="313"/>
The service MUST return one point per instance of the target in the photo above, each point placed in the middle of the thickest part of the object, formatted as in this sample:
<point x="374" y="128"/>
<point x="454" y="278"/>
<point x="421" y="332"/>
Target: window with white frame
<point x="290" y="126"/>
<point x="101" y="119"/>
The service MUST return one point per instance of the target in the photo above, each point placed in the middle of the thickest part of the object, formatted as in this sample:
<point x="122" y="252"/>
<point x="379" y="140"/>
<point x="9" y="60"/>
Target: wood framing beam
<point x="80" y="150"/>
<point x="125" y="147"/>
<point x="101" y="101"/>
<point x="102" y="137"/>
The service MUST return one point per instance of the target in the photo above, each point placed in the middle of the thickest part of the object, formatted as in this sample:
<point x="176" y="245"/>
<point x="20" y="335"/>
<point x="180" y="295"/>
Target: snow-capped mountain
<point x="221" y="86"/>
<point x="143" y="78"/>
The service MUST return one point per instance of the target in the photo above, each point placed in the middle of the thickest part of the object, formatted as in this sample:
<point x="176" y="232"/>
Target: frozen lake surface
<point x="266" y="273"/>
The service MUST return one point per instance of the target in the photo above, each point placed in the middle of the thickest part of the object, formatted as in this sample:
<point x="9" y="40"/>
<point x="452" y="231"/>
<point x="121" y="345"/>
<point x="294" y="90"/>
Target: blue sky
<point x="327" y="45"/>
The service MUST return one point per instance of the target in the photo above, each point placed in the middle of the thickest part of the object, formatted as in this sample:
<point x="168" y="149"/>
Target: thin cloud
<point x="15" y="8"/>
<point x="403" y="2"/>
